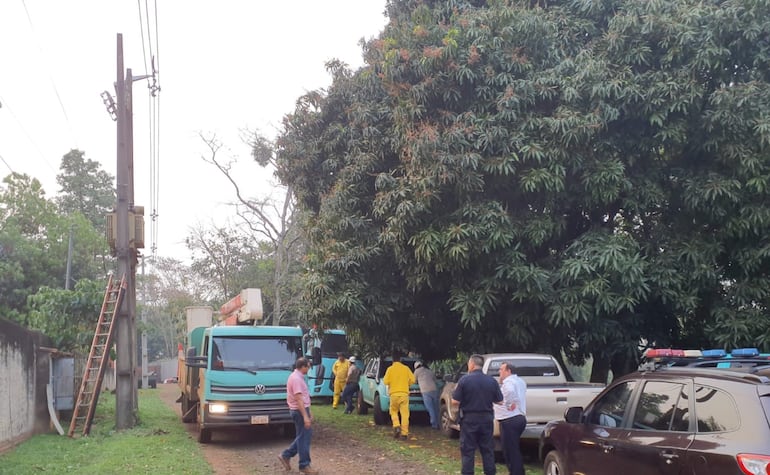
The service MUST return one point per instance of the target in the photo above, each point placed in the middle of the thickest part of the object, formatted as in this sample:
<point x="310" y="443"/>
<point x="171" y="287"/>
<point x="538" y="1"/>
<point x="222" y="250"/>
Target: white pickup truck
<point x="549" y="393"/>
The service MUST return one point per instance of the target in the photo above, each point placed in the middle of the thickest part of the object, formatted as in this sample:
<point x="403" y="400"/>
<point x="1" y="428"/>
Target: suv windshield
<point x="231" y="353"/>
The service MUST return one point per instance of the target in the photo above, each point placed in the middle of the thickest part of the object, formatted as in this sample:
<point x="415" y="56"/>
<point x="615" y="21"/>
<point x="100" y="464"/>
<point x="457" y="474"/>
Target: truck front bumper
<point x="245" y="413"/>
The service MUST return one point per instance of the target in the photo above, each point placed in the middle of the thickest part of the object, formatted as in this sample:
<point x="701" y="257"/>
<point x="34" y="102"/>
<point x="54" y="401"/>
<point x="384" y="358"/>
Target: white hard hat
<point x="417" y="364"/>
<point x="352" y="359"/>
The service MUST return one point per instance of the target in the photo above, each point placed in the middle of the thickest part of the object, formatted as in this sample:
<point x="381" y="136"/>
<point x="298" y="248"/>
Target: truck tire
<point x="204" y="436"/>
<point x="189" y="411"/>
<point x="380" y="417"/>
<point x="445" y="422"/>
<point x="553" y="464"/>
<point x="361" y="407"/>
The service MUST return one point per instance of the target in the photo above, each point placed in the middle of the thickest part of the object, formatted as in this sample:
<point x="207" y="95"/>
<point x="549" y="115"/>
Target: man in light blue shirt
<point x="512" y="416"/>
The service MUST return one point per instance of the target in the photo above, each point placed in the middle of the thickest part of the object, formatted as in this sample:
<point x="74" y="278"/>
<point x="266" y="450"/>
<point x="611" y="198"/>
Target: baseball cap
<point x="417" y="364"/>
<point x="352" y="359"/>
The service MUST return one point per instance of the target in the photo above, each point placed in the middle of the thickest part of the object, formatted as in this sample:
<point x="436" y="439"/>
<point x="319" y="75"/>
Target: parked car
<point x="172" y="380"/>
<point x="373" y="393"/>
<point x="548" y="392"/>
<point x="670" y="420"/>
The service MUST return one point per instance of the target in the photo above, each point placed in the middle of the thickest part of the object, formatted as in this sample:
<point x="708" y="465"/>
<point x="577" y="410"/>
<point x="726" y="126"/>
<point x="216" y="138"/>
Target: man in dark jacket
<point x="475" y="394"/>
<point x="351" y="386"/>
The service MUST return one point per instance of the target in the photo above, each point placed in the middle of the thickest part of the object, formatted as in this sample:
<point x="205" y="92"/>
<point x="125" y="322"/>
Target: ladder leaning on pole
<point x="98" y="358"/>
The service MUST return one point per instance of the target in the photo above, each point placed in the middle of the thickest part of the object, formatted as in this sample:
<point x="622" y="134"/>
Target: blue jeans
<point x="430" y="399"/>
<point x="347" y="395"/>
<point x="301" y="443"/>
<point x="476" y="433"/>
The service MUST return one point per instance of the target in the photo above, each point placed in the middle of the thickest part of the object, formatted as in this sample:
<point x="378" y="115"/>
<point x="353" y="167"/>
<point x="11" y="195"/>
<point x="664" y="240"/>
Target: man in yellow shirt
<point x="340" y="371"/>
<point x="398" y="378"/>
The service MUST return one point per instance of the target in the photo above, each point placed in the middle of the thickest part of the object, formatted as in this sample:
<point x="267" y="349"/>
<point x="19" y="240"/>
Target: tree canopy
<point x="572" y="175"/>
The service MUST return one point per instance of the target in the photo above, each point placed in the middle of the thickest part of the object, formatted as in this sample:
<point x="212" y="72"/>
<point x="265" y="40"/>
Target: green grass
<point x="158" y="444"/>
<point x="425" y="445"/>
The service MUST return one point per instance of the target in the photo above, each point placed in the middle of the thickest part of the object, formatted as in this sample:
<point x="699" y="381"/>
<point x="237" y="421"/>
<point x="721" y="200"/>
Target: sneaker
<point x="285" y="462"/>
<point x="308" y="470"/>
<point x="396" y="432"/>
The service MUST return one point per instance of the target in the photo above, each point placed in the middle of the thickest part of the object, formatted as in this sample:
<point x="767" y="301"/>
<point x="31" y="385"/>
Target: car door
<point x="660" y="431"/>
<point x="593" y="445"/>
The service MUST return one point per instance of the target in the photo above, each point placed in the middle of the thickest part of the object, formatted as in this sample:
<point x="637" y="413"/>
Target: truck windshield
<point x="237" y="353"/>
<point x="333" y="344"/>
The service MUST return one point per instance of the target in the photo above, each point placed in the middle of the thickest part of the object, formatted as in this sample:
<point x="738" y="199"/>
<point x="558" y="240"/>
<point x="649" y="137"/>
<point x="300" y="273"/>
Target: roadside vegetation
<point x="159" y="444"/>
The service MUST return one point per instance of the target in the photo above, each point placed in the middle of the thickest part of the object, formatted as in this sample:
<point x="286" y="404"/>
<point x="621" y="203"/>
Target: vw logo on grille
<point x="260" y="389"/>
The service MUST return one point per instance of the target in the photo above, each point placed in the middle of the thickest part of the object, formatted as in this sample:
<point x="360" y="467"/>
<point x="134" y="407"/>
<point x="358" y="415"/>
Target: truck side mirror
<point x="191" y="352"/>
<point x="573" y="415"/>
<point x="316" y="358"/>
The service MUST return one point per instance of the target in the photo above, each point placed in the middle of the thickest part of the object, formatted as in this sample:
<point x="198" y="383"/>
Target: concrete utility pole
<point x="126" y="384"/>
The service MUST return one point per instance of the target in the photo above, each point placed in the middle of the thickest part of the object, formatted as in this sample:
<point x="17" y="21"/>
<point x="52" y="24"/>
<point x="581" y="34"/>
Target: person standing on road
<point x="298" y="399"/>
<point x="429" y="390"/>
<point x="476" y="394"/>
<point x="340" y="372"/>
<point x="398" y="377"/>
<point x="512" y="416"/>
<point x="351" y="388"/>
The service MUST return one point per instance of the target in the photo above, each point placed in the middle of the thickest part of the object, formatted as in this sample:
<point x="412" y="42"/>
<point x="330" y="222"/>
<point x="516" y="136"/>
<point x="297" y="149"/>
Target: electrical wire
<point x="24" y="130"/>
<point x="50" y="76"/>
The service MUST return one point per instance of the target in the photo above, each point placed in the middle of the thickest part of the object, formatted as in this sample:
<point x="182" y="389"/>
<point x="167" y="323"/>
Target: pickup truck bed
<point x="549" y="394"/>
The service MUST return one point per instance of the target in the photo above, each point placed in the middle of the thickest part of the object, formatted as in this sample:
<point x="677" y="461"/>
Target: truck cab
<point x="321" y="348"/>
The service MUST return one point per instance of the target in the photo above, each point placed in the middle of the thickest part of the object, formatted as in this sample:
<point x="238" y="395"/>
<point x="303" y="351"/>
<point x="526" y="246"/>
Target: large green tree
<point x="85" y="188"/>
<point x="581" y="176"/>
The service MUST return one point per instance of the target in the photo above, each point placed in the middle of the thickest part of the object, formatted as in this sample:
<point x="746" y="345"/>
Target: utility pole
<point x="68" y="276"/>
<point x="144" y="332"/>
<point x="126" y="396"/>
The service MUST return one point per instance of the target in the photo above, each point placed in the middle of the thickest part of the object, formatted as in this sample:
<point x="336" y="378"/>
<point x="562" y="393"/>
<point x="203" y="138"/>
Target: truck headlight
<point x="217" y="408"/>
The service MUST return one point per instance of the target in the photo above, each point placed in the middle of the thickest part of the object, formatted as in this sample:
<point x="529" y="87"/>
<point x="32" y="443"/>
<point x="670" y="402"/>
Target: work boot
<point x="396" y="432"/>
<point x="404" y="437"/>
<point x="285" y="462"/>
<point x="309" y="470"/>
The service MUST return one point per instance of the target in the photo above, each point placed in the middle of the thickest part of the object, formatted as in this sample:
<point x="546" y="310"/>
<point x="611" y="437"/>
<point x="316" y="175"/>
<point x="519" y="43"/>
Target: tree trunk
<point x="600" y="369"/>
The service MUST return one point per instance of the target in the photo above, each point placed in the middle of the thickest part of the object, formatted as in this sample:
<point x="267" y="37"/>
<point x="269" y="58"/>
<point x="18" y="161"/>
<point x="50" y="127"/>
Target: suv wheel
<point x="380" y="417"/>
<point x="553" y="464"/>
<point x="445" y="422"/>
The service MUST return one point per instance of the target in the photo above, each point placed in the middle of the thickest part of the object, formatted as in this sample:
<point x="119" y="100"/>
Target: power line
<point x="50" y="76"/>
<point x="6" y="164"/>
<point x="24" y="130"/>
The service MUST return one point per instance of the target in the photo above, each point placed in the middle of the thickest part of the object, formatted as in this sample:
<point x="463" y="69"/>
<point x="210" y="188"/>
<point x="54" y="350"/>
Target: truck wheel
<point x="553" y="464"/>
<point x="446" y="422"/>
<point x="189" y="411"/>
<point x="204" y="436"/>
<point x="361" y="407"/>
<point x="380" y="417"/>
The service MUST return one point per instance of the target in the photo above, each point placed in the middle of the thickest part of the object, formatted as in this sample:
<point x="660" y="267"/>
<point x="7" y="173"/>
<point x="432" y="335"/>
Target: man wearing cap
<point x="351" y="388"/>
<point x="429" y="390"/>
<point x="340" y="372"/>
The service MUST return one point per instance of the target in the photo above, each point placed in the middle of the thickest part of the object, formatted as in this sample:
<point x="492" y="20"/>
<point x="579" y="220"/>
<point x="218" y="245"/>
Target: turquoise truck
<point x="234" y="375"/>
<point x="321" y="348"/>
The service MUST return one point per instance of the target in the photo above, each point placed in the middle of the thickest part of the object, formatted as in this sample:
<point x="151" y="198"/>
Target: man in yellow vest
<point x="340" y="371"/>
<point x="398" y="378"/>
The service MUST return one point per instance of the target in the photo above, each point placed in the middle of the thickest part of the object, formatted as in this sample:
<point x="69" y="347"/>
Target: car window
<point x="662" y="406"/>
<point x="715" y="410"/>
<point x="525" y="367"/>
<point x="609" y="410"/>
<point x="766" y="406"/>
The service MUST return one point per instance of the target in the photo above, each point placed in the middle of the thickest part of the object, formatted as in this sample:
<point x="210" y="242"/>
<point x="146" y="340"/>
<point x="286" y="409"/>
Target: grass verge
<point x="159" y="444"/>
<point x="425" y="445"/>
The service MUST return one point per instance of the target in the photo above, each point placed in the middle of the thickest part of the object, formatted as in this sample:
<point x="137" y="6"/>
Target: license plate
<point x="260" y="419"/>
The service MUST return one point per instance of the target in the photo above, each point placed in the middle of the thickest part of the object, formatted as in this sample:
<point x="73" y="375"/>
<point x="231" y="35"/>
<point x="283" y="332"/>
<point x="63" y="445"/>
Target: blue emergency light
<point x="745" y="352"/>
<point x="714" y="353"/>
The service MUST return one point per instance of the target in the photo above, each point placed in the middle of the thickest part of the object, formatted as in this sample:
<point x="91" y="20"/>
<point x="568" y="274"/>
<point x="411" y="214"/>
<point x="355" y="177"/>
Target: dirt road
<point x="256" y="450"/>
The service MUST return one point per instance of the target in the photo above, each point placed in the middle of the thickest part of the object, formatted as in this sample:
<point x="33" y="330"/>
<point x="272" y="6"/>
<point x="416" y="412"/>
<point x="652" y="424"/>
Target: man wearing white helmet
<point x="351" y="386"/>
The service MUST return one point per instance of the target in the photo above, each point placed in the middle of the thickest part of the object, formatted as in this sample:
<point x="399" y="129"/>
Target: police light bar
<point x="745" y="352"/>
<point x="693" y="353"/>
<point x="714" y="353"/>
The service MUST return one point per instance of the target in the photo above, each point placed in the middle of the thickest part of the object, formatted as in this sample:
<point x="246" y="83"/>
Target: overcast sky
<point x="224" y="65"/>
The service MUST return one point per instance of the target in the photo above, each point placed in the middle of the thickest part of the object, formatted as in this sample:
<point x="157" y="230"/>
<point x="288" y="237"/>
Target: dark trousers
<point x="476" y="433"/>
<point x="347" y="395"/>
<point x="510" y="438"/>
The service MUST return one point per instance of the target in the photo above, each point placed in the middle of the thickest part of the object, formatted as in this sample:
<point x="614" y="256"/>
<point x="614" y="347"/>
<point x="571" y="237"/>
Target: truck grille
<point x="245" y="390"/>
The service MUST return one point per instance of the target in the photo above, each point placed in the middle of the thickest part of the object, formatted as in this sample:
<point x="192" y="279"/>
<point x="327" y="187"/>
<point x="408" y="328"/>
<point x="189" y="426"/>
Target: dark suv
<point x="667" y="421"/>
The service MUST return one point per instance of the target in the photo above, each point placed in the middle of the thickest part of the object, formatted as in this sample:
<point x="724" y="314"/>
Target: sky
<point x="223" y="66"/>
